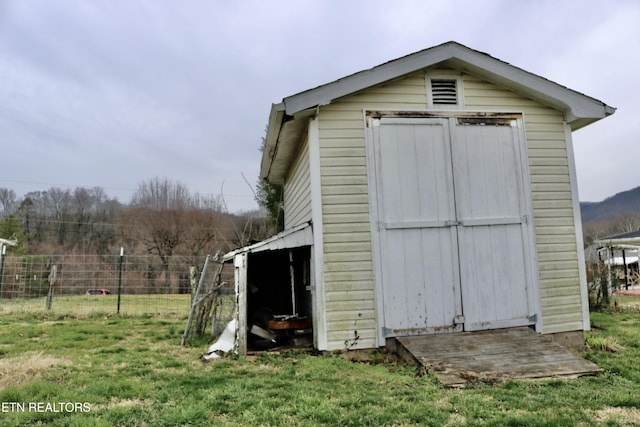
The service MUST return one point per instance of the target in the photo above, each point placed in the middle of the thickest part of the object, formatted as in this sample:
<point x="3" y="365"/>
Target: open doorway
<point x="278" y="299"/>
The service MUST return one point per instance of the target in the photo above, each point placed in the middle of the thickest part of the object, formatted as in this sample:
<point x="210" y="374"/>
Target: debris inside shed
<point x="279" y="299"/>
<point x="273" y="284"/>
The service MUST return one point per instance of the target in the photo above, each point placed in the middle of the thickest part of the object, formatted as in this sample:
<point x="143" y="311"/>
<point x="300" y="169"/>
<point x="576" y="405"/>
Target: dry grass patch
<point x="123" y="403"/>
<point x="456" y="419"/>
<point x="624" y="416"/>
<point x="20" y="369"/>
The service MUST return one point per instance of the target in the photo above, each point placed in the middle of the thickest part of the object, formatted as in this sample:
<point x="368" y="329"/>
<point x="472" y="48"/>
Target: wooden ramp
<point x="495" y="355"/>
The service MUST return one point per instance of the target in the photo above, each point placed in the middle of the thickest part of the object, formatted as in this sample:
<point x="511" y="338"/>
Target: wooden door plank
<point x="458" y="358"/>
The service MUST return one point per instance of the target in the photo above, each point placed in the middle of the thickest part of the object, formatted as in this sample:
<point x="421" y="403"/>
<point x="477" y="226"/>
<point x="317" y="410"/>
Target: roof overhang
<point x="281" y="141"/>
<point x="623" y="240"/>
<point x="289" y="119"/>
<point x="621" y="243"/>
<point x="8" y="242"/>
<point x="294" y="237"/>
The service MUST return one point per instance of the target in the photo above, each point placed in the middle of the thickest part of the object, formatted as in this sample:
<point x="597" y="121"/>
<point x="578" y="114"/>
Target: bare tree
<point x="105" y="212"/>
<point x="203" y="231"/>
<point x="626" y="223"/>
<point x="160" y="193"/>
<point x="208" y="201"/>
<point x="595" y="230"/>
<point x="83" y="203"/>
<point x="157" y="219"/>
<point x="158" y="231"/>
<point x="8" y="202"/>
<point x="57" y="206"/>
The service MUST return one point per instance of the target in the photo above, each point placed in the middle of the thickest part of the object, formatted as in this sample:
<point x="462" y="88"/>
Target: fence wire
<point x="87" y="284"/>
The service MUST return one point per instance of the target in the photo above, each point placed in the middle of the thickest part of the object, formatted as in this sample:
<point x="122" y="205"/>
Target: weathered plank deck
<point x="494" y="355"/>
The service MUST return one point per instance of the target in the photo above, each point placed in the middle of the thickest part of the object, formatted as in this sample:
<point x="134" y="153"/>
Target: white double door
<point x="453" y="240"/>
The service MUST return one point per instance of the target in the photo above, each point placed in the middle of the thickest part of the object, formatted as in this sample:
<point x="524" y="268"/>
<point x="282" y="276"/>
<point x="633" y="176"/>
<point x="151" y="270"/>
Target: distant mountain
<point x="626" y="202"/>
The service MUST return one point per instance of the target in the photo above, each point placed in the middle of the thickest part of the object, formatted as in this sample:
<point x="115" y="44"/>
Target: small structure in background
<point x="8" y="242"/>
<point x="619" y="255"/>
<point x="3" y="251"/>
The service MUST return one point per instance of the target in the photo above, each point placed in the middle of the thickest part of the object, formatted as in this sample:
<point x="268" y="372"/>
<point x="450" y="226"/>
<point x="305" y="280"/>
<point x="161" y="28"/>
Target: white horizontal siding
<point x="349" y="285"/>
<point x="297" y="190"/>
<point x="559" y="283"/>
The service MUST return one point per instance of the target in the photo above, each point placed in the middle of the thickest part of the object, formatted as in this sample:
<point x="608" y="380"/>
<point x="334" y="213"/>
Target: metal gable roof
<point x="295" y="237"/>
<point x="631" y="238"/>
<point x="283" y="131"/>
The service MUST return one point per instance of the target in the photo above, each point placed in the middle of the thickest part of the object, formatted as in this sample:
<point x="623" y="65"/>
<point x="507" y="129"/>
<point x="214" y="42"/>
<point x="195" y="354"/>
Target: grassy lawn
<point x="627" y="301"/>
<point x="129" y="370"/>
<point x="86" y="305"/>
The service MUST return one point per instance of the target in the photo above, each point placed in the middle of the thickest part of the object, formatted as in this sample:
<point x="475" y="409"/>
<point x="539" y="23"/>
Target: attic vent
<point x="444" y="92"/>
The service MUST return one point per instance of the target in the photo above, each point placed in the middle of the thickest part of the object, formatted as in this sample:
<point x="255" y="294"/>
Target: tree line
<point x="615" y="224"/>
<point x="163" y="218"/>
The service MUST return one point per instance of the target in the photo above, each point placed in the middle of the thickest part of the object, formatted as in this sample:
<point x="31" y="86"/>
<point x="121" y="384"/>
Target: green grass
<point x="85" y="305"/>
<point x="626" y="301"/>
<point x="131" y="371"/>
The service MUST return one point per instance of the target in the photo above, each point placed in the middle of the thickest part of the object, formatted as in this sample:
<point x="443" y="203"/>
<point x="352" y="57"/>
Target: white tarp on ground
<point x="225" y="343"/>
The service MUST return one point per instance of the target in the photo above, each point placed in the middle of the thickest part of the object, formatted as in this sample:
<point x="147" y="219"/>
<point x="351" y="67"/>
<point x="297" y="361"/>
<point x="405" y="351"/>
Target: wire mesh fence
<point x="111" y="284"/>
<point x="213" y="303"/>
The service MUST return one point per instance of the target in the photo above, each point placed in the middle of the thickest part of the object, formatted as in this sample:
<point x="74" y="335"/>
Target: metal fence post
<point x="52" y="281"/>
<point x="4" y="251"/>
<point x="120" y="277"/>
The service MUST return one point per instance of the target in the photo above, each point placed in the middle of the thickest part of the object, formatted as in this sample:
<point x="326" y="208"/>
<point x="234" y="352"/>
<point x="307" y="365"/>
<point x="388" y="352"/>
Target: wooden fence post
<point x="52" y="281"/>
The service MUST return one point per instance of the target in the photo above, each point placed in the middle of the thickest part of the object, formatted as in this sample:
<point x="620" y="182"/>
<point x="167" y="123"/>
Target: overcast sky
<point x="111" y="93"/>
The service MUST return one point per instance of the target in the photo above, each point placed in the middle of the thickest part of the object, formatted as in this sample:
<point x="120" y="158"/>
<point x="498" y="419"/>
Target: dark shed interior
<point x="279" y="308"/>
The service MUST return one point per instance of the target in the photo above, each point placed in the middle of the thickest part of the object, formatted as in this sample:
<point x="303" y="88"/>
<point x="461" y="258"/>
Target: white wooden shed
<point x="436" y="193"/>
